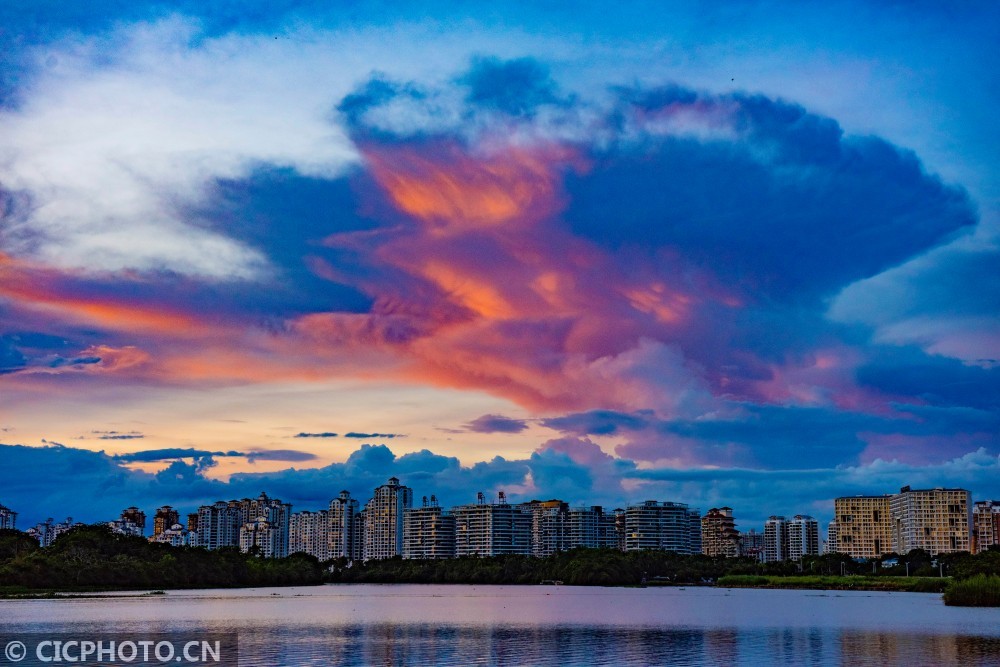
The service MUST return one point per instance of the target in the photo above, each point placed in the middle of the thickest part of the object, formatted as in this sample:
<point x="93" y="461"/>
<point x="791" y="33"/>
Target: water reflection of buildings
<point x="884" y="648"/>
<point x="388" y="643"/>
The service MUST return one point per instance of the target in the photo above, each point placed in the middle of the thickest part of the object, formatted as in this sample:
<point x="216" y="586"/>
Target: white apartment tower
<point x="590" y="527"/>
<point x="668" y="526"/>
<point x="383" y="520"/>
<point x="492" y="529"/>
<point x="548" y="526"/>
<point x="803" y="537"/>
<point x="8" y="518"/>
<point x="428" y="531"/>
<point x="986" y="524"/>
<point x="344" y="534"/>
<point x="309" y="532"/>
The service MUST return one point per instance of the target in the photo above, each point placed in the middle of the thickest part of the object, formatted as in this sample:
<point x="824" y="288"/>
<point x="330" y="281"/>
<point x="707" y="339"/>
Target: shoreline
<point x="774" y="583"/>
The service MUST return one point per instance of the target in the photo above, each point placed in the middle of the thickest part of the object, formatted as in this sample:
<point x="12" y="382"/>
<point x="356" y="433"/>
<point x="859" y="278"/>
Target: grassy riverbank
<point x="978" y="591"/>
<point x="838" y="583"/>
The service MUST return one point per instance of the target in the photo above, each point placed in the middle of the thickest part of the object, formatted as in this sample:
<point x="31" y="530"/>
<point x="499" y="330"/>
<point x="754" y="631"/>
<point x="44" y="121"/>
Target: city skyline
<point x="937" y="520"/>
<point x="718" y="255"/>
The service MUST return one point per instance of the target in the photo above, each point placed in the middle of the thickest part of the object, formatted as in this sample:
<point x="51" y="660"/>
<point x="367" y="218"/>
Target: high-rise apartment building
<point x="220" y="524"/>
<point x="309" y="532"/>
<point x="803" y="537"/>
<point x="358" y="545"/>
<point x="345" y="532"/>
<point x="8" y="518"/>
<point x="668" y="526"/>
<point x="863" y="526"/>
<point x="719" y="536"/>
<point x="775" y="539"/>
<point x="263" y="538"/>
<point x="786" y="539"/>
<point x="165" y="518"/>
<point x="936" y="520"/>
<point x="491" y="529"/>
<point x="383" y="520"/>
<point x="832" y="539"/>
<point x="428" y="531"/>
<point x="986" y="524"/>
<point x="548" y="526"/>
<point x="591" y="527"/>
<point x="267" y="519"/>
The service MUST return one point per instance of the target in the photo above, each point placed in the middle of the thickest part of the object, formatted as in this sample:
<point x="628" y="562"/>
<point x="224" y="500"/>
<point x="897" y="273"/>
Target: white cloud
<point x="119" y="138"/>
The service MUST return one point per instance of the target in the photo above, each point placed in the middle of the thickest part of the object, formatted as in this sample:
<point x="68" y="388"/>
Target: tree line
<point x="93" y="557"/>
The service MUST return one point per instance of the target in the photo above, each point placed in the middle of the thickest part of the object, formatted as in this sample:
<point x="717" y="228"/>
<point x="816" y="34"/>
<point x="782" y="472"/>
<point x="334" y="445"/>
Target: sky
<point x="724" y="253"/>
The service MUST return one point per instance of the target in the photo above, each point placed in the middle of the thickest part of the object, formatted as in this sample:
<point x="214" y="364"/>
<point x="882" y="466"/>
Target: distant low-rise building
<point x="131" y="522"/>
<point x="176" y="536"/>
<point x="46" y="533"/>
<point x="752" y="544"/>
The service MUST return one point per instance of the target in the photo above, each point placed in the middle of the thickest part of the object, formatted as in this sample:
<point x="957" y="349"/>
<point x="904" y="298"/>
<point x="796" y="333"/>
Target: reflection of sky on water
<point x="515" y="625"/>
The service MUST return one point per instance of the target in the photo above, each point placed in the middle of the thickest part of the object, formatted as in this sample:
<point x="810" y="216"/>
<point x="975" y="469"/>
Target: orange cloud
<point x="453" y="192"/>
<point x="45" y="290"/>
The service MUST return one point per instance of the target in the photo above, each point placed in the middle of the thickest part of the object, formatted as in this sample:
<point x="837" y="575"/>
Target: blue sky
<point x="717" y="253"/>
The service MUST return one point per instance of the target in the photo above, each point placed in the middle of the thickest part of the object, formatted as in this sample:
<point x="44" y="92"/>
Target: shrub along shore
<point x="91" y="558"/>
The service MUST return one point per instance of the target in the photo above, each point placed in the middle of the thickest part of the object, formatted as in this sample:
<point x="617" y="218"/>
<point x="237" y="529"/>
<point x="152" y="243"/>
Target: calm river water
<point x="544" y="625"/>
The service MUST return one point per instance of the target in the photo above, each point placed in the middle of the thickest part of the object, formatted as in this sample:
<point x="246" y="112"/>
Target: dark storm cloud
<point x="168" y="454"/>
<point x="599" y="422"/>
<point x="287" y="455"/>
<point x="935" y="379"/>
<point x="797" y="210"/>
<point x="515" y="87"/>
<point x="496" y="424"/>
